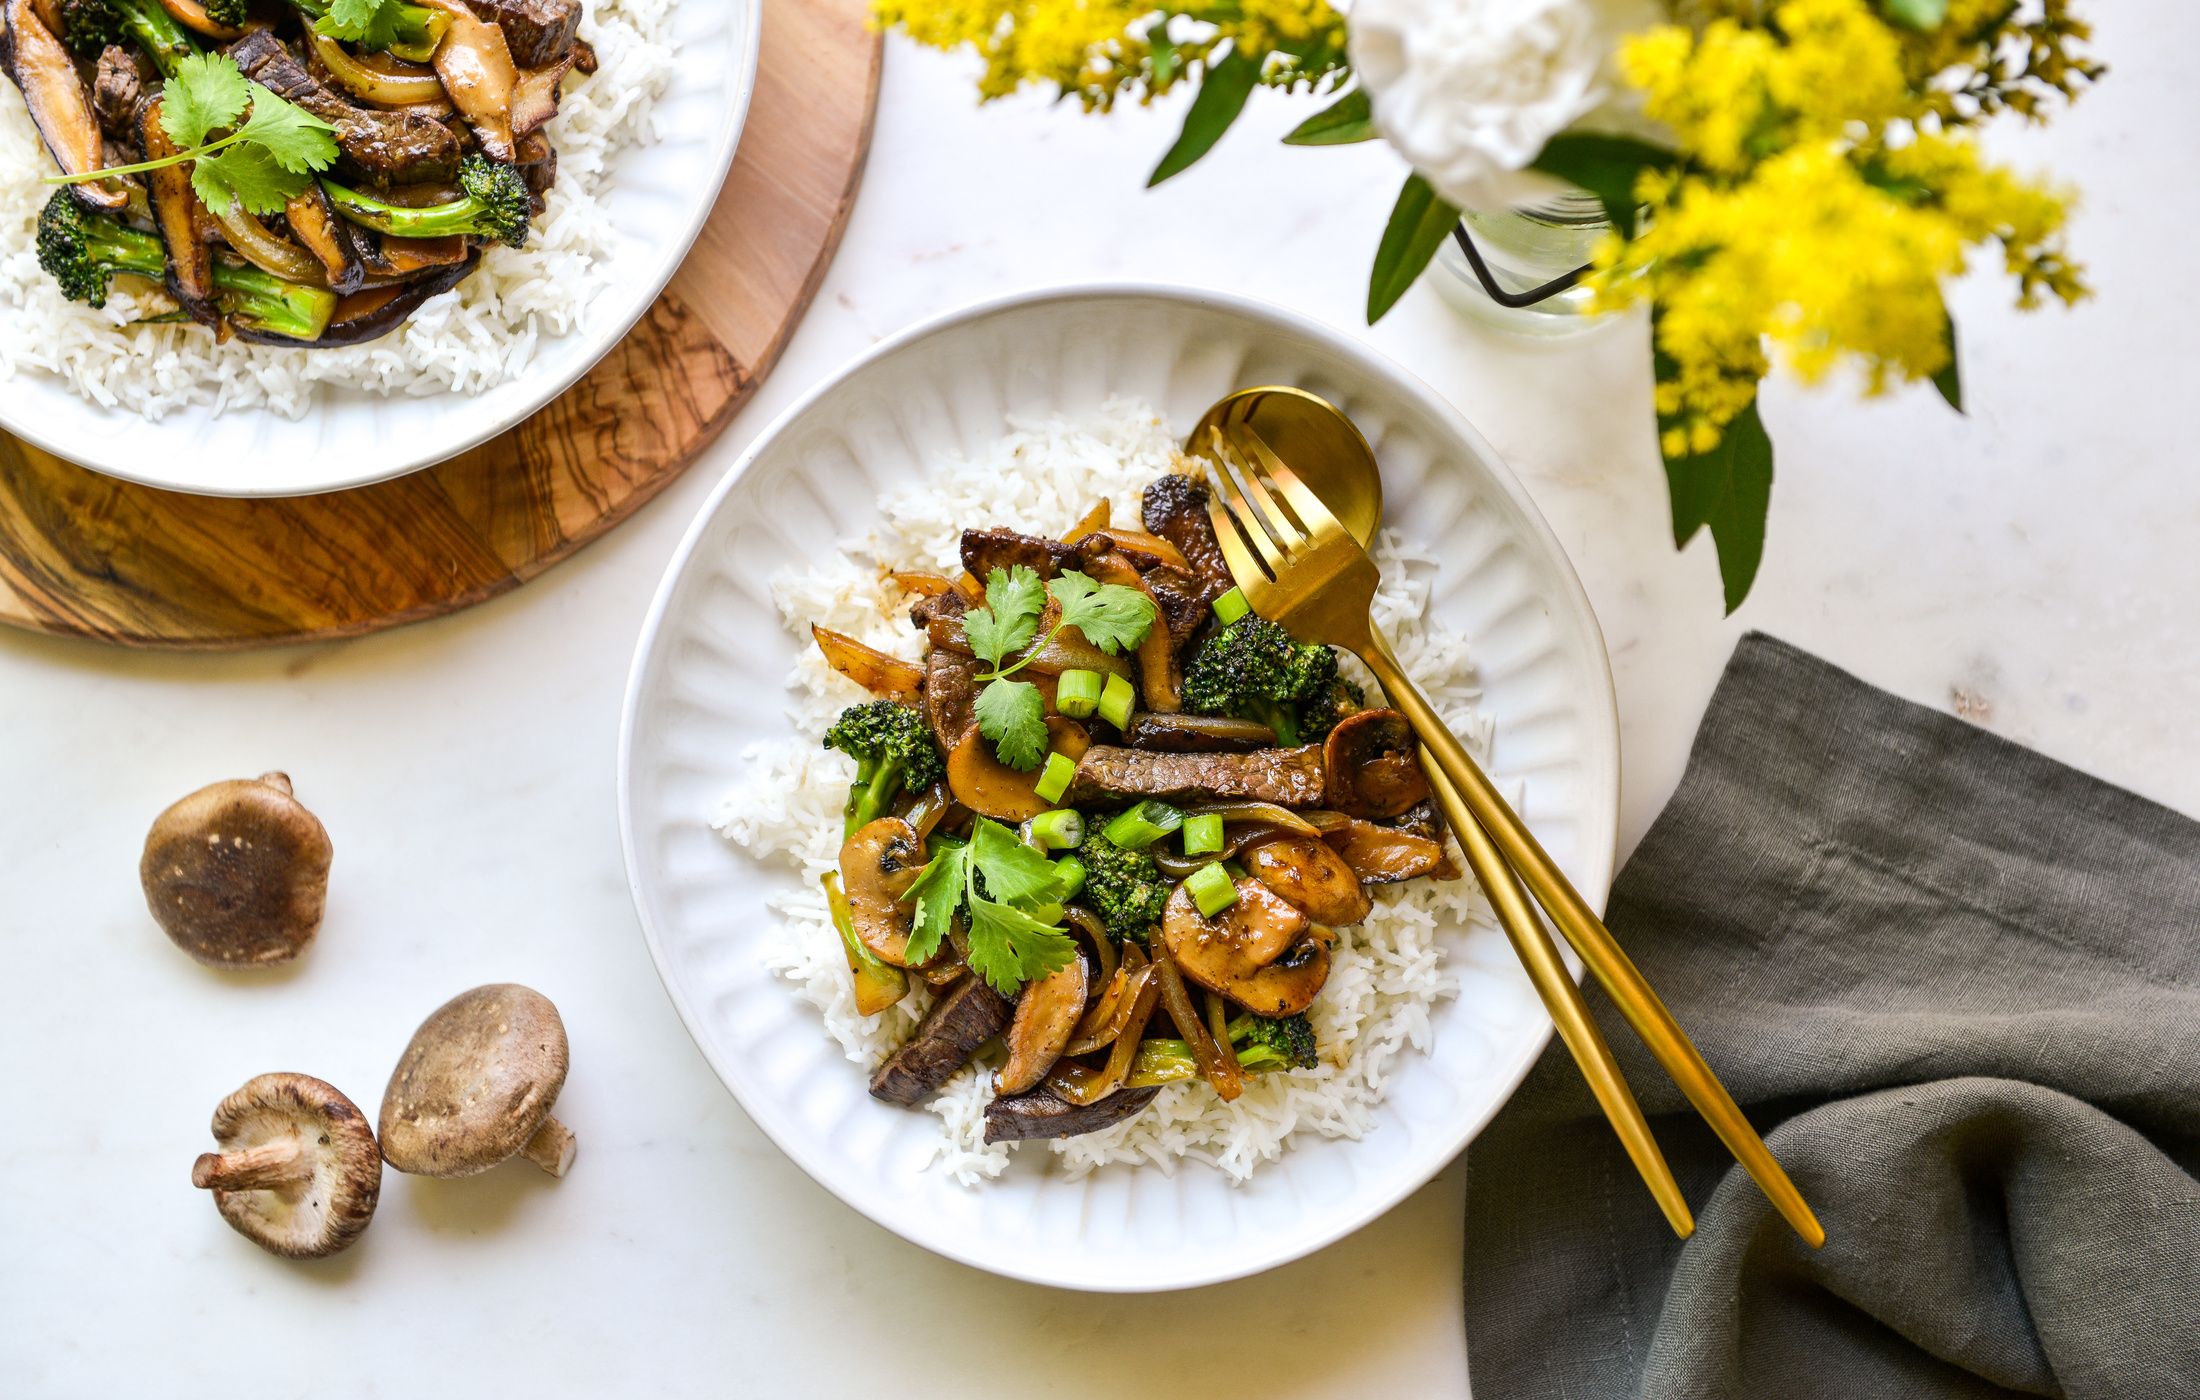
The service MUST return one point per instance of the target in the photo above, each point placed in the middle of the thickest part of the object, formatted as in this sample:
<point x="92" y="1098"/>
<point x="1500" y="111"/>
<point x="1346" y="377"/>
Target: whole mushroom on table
<point x="237" y="872"/>
<point x="298" y="1172"/>
<point x="476" y="1084"/>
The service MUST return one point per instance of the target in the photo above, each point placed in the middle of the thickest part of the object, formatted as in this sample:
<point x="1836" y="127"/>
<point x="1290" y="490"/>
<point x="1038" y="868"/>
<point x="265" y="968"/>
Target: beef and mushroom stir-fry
<point x="295" y="172"/>
<point x="1112" y="819"/>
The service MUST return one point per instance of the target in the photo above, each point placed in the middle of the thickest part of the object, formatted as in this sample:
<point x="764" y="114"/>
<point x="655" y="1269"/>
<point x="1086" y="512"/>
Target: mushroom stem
<point x="552" y="1147"/>
<point x="278" y="780"/>
<point x="255" y="1168"/>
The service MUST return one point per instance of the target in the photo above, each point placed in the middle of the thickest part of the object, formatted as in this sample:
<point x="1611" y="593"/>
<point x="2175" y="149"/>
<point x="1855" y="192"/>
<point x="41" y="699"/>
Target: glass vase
<point x="1524" y="247"/>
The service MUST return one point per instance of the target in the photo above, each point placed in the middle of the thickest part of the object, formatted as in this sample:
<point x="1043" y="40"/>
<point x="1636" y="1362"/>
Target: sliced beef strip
<point x="382" y="148"/>
<point x="986" y="550"/>
<point x="538" y="32"/>
<point x="1175" y="508"/>
<point x="117" y="86"/>
<point x="1186" y="602"/>
<point x="968" y="1015"/>
<point x="1110" y="775"/>
<point x="1039" y="1114"/>
<point x="947" y="607"/>
<point x="950" y="695"/>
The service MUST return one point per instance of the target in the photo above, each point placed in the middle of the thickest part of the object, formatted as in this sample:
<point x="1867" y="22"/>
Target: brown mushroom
<point x="1046" y="1013"/>
<point x="1261" y="952"/>
<point x="475" y="64"/>
<point x="1158" y="679"/>
<point x="877" y="866"/>
<point x="237" y="872"/>
<point x="1384" y="855"/>
<point x="989" y="787"/>
<point x="178" y="219"/>
<point x="1310" y="876"/>
<point x="32" y="55"/>
<point x="476" y="1085"/>
<point x="1372" y="764"/>
<point x="299" y="1172"/>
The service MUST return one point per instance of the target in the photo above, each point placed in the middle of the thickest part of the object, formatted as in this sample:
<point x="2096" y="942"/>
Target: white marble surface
<point x="2032" y="566"/>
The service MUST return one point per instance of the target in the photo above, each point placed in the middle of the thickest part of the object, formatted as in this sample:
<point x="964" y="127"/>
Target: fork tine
<point x="1245" y="570"/>
<point x="1288" y="532"/>
<point x="1312" y="512"/>
<point x="1248" y="523"/>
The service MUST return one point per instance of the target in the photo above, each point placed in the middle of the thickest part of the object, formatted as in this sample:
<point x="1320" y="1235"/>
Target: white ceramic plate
<point x="712" y="647"/>
<point x="658" y="195"/>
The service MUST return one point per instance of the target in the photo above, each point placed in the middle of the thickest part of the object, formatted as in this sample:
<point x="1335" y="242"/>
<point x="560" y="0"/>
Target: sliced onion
<point x="384" y="82"/>
<point x="1095" y="519"/>
<point x="1136" y="542"/>
<point x="1111" y="1016"/>
<point x="1226" y="1078"/>
<point x="921" y="582"/>
<point x="1103" y="947"/>
<point x="869" y="667"/>
<point x="1261" y="814"/>
<point x="277" y="256"/>
<point x="1078" y="1084"/>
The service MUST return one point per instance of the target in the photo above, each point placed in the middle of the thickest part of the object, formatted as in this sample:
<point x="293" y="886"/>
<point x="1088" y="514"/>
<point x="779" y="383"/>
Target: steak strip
<point x="383" y="148"/>
<point x="1287" y="777"/>
<point x="967" y="1016"/>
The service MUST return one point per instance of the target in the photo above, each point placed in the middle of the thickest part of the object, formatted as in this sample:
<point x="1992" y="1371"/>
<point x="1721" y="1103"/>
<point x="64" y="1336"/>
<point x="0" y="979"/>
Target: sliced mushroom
<point x="1189" y="733"/>
<point x="476" y="67"/>
<point x="535" y="96"/>
<point x="1039" y="1114"/>
<point x="33" y="56"/>
<point x="476" y="1084"/>
<point x="316" y="225"/>
<point x="179" y="220"/>
<point x="1261" y="952"/>
<point x="1372" y="764"/>
<point x="1311" y="876"/>
<point x="989" y="787"/>
<point x="1046" y="1013"/>
<point x="1158" y="680"/>
<point x="877" y="866"/>
<point x="868" y="667"/>
<point x="237" y="872"/>
<point x="373" y="312"/>
<point x="298" y="1173"/>
<point x="1384" y="855"/>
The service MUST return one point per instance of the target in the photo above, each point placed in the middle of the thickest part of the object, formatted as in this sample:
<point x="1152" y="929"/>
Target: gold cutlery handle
<point x="1599" y="951"/>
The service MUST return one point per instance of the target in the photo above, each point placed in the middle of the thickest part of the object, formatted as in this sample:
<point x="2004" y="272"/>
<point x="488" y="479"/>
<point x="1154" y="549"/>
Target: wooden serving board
<point x="85" y="555"/>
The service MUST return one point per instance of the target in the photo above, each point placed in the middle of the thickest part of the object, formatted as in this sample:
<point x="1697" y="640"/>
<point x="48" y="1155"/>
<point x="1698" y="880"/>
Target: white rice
<point x="1387" y="973"/>
<point x="467" y="340"/>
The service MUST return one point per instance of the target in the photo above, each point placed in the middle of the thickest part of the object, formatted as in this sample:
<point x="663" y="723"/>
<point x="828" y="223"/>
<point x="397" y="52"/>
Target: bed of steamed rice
<point x="1387" y="973"/>
<point x="470" y="339"/>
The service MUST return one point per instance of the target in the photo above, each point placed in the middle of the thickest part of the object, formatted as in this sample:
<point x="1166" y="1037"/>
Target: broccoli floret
<point x="893" y="750"/>
<point x="496" y="205"/>
<point x="1125" y="888"/>
<point x="83" y="252"/>
<point x="1265" y="1042"/>
<point x="91" y="25"/>
<point x="1253" y="669"/>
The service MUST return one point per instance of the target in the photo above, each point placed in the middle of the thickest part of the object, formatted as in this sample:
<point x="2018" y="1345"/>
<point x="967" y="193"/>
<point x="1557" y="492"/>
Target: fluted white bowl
<point x="712" y="650"/>
<point x="658" y="194"/>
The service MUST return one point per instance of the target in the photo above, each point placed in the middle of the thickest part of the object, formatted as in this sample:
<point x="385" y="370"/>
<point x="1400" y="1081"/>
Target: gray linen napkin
<point x="1957" y="987"/>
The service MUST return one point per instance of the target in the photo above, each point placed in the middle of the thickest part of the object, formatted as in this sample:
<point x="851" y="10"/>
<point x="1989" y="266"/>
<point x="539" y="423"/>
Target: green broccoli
<point x="1263" y="1045"/>
<point x="1253" y="669"/>
<point x="495" y="205"/>
<point x="91" y="25"/>
<point x="83" y="252"/>
<point x="230" y="14"/>
<point x="893" y="750"/>
<point x="1125" y="888"/>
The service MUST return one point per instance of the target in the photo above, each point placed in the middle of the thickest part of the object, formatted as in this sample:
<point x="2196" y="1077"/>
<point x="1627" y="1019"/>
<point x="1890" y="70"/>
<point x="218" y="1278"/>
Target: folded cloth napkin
<point x="1956" y="985"/>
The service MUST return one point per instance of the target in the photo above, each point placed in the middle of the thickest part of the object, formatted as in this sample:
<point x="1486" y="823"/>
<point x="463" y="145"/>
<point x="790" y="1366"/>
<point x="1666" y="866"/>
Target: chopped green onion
<point x="1046" y="913"/>
<point x="1135" y="828"/>
<point x="1231" y="606"/>
<point x="1057" y="830"/>
<point x="1069" y="876"/>
<point x="1203" y="834"/>
<point x="1116" y="700"/>
<point x="1054" y="779"/>
<point x="1077" y="693"/>
<point x="1210" y="889"/>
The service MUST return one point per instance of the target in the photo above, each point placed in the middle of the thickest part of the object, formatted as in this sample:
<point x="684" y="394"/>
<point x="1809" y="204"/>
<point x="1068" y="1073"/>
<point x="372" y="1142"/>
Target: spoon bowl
<point x="1325" y="447"/>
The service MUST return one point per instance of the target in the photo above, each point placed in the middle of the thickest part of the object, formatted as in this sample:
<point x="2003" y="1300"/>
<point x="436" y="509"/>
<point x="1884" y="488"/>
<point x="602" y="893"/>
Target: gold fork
<point x="1300" y="567"/>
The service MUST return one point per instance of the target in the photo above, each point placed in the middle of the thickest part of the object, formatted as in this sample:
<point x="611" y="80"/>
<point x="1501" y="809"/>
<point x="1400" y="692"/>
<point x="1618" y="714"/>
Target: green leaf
<point x="1014" y="599"/>
<point x="245" y="176"/>
<point x="1009" y="947"/>
<point x="1419" y="224"/>
<point x="1350" y="118"/>
<point x="1728" y="489"/>
<point x="1113" y="616"/>
<point x="1221" y="97"/>
<point x="209" y="91"/>
<point x="297" y="140"/>
<point x="938" y="892"/>
<point x="1923" y="15"/>
<point x="369" y="23"/>
<point x="1013" y="715"/>
<point x="1014" y="872"/>
<point x="1605" y="166"/>
<point x="1949" y="378"/>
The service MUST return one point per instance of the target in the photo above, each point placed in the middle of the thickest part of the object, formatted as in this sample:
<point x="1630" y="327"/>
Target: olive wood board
<point x="85" y="555"/>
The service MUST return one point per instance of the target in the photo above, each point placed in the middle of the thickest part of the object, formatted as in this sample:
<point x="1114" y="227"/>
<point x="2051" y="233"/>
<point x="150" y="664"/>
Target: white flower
<point x="1469" y="90"/>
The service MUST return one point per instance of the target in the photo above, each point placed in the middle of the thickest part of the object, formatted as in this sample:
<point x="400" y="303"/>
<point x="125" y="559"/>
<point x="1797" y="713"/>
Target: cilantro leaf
<point x="1009" y="947"/>
<point x="247" y="176"/>
<point x="1112" y="616"/>
<point x="294" y="138"/>
<point x="1013" y="716"/>
<point x="1014" y="872"/>
<point x="1014" y="598"/>
<point x="369" y="23"/>
<point x="208" y="91"/>
<point x="938" y="891"/>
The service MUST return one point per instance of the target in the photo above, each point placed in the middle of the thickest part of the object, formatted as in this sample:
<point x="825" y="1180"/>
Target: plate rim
<point x="725" y="144"/>
<point x="1602" y="715"/>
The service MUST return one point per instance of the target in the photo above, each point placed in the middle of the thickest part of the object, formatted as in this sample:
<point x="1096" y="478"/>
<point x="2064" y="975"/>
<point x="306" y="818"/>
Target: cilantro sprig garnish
<point x="1113" y="617"/>
<point x="370" y="23"/>
<point x="1009" y="943"/>
<point x="267" y="159"/>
